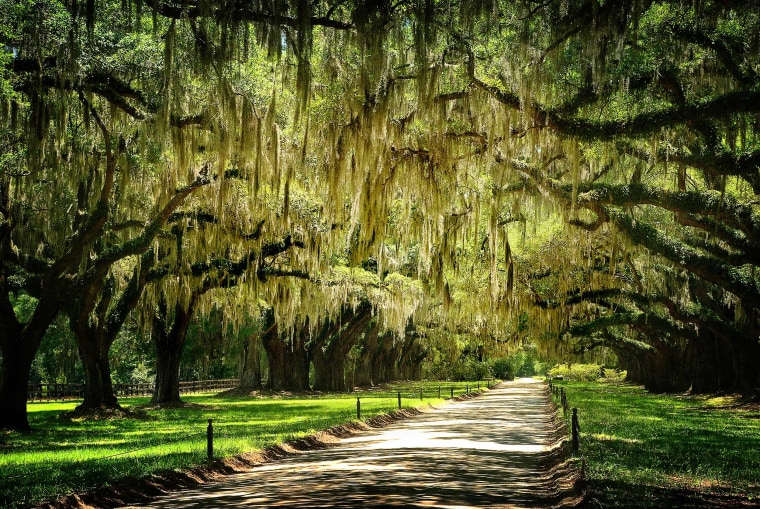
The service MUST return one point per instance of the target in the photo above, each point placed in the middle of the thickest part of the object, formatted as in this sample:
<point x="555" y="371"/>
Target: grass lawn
<point x="62" y="455"/>
<point x="656" y="450"/>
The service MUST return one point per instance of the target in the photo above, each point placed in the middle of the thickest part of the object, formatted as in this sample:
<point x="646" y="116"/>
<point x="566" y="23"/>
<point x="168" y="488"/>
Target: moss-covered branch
<point x="643" y="124"/>
<point x="728" y="210"/>
<point x="242" y="11"/>
<point x="736" y="281"/>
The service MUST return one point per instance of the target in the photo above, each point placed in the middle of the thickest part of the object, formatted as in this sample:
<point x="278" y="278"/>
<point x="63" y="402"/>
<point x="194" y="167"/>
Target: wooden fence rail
<point x="60" y="392"/>
<point x="54" y="392"/>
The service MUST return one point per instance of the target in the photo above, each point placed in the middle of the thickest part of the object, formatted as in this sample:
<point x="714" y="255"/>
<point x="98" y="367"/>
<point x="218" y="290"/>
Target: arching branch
<point x="241" y="11"/>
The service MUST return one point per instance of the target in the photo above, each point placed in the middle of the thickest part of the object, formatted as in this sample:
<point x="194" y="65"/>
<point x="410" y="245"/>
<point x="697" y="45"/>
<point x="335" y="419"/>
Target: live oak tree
<point x="169" y="327"/>
<point x="85" y="148"/>
<point x="673" y="173"/>
<point x="441" y="132"/>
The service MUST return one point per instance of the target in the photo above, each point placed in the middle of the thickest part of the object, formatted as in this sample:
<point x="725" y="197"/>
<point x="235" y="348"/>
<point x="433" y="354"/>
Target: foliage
<point x="527" y="361"/>
<point x="58" y="360"/>
<point x="503" y="369"/>
<point x="131" y="357"/>
<point x="580" y="175"/>
<point x="586" y="373"/>
<point x="468" y="370"/>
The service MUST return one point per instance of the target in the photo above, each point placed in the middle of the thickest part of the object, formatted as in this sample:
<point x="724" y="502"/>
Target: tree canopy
<point x="582" y="174"/>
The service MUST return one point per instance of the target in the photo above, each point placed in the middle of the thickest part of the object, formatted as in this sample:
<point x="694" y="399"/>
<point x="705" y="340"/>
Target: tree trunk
<point x="329" y="371"/>
<point x="87" y="320"/>
<point x="274" y="348"/>
<point x="384" y="363"/>
<point x="94" y="345"/>
<point x="287" y="360"/>
<point x="169" y="346"/>
<point x="98" y="391"/>
<point x="704" y="366"/>
<point x="19" y="344"/>
<point x="14" y="379"/>
<point x="250" y="365"/>
<point x="296" y="364"/>
<point x="166" y="389"/>
<point x="168" y="353"/>
<point x="714" y="365"/>
<point x="410" y="361"/>
<point x="329" y="354"/>
<point x="362" y="370"/>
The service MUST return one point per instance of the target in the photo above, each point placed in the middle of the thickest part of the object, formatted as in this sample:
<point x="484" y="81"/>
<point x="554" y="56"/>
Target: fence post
<point x="399" y="400"/>
<point x="210" y="441"/>
<point x="420" y="393"/>
<point x="439" y="392"/>
<point x="452" y="391"/>
<point x="478" y="386"/>
<point x="358" y="409"/>
<point x="563" y="400"/>
<point x="576" y="430"/>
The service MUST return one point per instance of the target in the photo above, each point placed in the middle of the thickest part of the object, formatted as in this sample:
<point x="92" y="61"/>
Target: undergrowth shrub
<point x="469" y="370"/>
<point x="503" y="369"/>
<point x="586" y="373"/>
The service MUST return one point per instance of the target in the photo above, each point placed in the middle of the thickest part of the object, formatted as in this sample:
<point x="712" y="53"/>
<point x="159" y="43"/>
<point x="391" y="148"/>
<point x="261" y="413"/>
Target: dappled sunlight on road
<point x="483" y="452"/>
<point x="415" y="439"/>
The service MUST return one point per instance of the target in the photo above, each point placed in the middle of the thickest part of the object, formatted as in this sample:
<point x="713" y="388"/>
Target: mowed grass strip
<point x="658" y="450"/>
<point x="62" y="455"/>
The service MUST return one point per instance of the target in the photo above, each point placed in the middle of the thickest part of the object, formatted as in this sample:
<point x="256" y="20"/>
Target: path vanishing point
<point x="494" y="450"/>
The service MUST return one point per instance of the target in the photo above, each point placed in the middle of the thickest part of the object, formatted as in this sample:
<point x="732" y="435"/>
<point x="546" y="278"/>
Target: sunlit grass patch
<point x="665" y="446"/>
<point x="602" y="437"/>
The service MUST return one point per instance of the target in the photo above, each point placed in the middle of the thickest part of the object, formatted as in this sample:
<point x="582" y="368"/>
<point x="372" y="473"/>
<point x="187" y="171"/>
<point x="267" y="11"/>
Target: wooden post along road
<point x="488" y="451"/>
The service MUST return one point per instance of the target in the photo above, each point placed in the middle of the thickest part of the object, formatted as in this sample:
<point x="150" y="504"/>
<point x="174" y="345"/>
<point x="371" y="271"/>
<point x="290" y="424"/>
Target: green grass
<point x="655" y="450"/>
<point x="61" y="455"/>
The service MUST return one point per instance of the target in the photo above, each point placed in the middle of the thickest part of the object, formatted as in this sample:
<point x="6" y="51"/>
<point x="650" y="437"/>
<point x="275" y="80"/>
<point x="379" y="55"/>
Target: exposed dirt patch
<point x="100" y="414"/>
<point x="564" y="473"/>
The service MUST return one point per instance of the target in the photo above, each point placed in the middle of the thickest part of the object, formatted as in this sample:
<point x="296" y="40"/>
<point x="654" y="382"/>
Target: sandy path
<point x="481" y="452"/>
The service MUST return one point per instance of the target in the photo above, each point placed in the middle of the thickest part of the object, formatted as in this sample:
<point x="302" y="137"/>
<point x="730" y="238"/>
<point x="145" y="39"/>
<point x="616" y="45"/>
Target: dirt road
<point x="487" y="451"/>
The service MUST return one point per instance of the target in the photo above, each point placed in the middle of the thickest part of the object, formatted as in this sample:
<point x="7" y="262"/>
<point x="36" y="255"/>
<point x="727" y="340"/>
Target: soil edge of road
<point x="563" y="480"/>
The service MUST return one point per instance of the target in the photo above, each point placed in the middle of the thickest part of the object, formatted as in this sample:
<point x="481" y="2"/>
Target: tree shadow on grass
<point x="617" y="494"/>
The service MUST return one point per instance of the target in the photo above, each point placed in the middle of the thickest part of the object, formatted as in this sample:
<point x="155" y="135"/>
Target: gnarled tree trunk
<point x="98" y="390"/>
<point x="330" y="351"/>
<point x="19" y="343"/>
<point x="250" y="365"/>
<point x="410" y="361"/>
<point x="362" y="370"/>
<point x="15" y="367"/>
<point x="87" y="319"/>
<point x="169" y="345"/>
<point x="287" y="359"/>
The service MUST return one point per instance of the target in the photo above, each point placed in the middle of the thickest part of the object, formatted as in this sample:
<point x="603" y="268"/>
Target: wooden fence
<point x="60" y="392"/>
